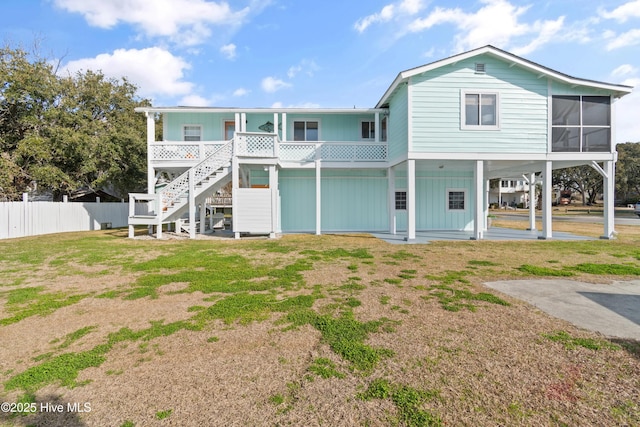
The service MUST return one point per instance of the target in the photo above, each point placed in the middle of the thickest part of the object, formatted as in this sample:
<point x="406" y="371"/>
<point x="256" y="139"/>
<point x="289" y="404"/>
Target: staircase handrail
<point x="179" y="186"/>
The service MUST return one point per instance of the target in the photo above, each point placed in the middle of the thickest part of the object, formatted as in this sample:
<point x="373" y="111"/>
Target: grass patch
<point x="452" y="299"/>
<point x="570" y="342"/>
<point x="161" y="415"/>
<point x="608" y="269"/>
<point x="407" y="400"/>
<point x="325" y="368"/>
<point x="535" y="270"/>
<point x="450" y="277"/>
<point x="482" y="263"/>
<point x="32" y="301"/>
<point x="345" y="335"/>
<point x="75" y="336"/>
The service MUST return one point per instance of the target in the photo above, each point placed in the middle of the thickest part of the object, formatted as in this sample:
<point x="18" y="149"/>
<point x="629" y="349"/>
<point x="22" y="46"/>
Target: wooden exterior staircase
<point x="190" y="188"/>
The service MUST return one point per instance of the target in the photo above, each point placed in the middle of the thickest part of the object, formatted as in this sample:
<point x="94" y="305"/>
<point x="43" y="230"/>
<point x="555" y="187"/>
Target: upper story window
<point x="305" y="130"/>
<point x="480" y="110"/>
<point x="192" y="133"/>
<point x="581" y="123"/>
<point x="368" y="130"/>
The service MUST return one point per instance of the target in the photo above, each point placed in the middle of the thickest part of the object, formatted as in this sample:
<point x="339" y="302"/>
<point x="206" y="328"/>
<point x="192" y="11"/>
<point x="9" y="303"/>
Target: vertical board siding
<point x="297" y="200"/>
<point x="253" y="211"/>
<point x="397" y="130"/>
<point x="333" y="127"/>
<point x="559" y="88"/>
<point x="436" y="98"/>
<point x="354" y="201"/>
<point x="351" y="200"/>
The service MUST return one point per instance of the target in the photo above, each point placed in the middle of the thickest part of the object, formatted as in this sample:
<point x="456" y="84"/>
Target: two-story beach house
<point x="421" y="159"/>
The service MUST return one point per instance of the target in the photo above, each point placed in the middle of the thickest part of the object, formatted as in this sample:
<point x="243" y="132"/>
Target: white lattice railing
<point x="333" y="151"/>
<point x="180" y="150"/>
<point x="256" y="144"/>
<point x="180" y="186"/>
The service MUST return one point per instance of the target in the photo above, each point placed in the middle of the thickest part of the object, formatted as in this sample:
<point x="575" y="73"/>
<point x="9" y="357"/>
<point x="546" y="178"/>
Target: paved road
<point x="524" y="216"/>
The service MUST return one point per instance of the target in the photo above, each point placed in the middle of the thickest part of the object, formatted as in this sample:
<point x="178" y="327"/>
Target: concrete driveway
<point x="613" y="310"/>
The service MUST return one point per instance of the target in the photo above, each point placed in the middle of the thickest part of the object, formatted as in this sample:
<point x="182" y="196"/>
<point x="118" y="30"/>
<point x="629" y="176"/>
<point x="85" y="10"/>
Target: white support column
<point x="284" y="126"/>
<point x="391" y="177"/>
<point x="237" y="119"/>
<point x="487" y="190"/>
<point x="608" y="176"/>
<point x="318" y="198"/>
<point x="546" y="201"/>
<point x="203" y="216"/>
<point x="478" y="209"/>
<point x="532" y="201"/>
<point x="192" y="204"/>
<point x="151" y="136"/>
<point x="273" y="187"/>
<point x="235" y="179"/>
<point x="411" y="200"/>
<point x="377" y="128"/>
<point x="243" y="122"/>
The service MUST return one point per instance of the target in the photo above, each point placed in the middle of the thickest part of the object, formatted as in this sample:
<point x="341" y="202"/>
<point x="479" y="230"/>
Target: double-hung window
<point x="192" y="133"/>
<point x="306" y="130"/>
<point x="581" y="123"/>
<point x="480" y="110"/>
<point x="368" y="130"/>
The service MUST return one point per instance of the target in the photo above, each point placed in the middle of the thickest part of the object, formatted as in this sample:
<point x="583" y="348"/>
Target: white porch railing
<point x="256" y="144"/>
<point x="181" y="150"/>
<point x="259" y="144"/>
<point x="333" y="151"/>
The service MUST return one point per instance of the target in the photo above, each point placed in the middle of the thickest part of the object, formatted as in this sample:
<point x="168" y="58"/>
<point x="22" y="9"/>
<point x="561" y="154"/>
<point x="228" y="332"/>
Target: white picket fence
<point x="20" y="219"/>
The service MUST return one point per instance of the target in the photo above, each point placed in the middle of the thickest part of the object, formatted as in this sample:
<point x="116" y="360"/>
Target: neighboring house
<point x="421" y="159"/>
<point x="513" y="193"/>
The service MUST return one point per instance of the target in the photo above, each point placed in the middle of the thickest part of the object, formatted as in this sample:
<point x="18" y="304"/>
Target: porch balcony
<point x="178" y="154"/>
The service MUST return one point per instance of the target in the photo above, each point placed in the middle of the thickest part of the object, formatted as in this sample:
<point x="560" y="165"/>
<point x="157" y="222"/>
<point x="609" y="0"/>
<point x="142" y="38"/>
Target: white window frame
<point x="372" y="136"/>
<point x="465" y="200"/>
<point x="293" y="129"/>
<point x="463" y="110"/>
<point x="184" y="135"/>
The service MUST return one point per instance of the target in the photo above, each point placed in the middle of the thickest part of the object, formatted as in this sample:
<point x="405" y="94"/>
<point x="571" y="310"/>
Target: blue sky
<point x="321" y="53"/>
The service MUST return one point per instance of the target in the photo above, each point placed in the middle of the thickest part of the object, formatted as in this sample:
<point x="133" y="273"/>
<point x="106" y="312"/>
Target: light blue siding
<point x="432" y="201"/>
<point x="354" y="200"/>
<point x="397" y="127"/>
<point x="298" y="200"/>
<point x="333" y="127"/>
<point x="436" y="104"/>
<point x="212" y="125"/>
<point x="351" y="200"/>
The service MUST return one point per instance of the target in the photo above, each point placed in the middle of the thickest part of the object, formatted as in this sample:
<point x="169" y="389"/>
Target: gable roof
<point x="403" y="76"/>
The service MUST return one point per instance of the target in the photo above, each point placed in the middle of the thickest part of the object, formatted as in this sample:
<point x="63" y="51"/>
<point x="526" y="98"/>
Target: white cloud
<point x="624" y="70"/>
<point x="194" y="101"/>
<point x="154" y="70"/>
<point x="497" y="23"/>
<point x="622" y="13"/>
<point x="308" y="66"/>
<point x="630" y="38"/>
<point x="389" y="12"/>
<point x="384" y="15"/>
<point x="229" y="51"/>
<point x="183" y="21"/>
<point x="241" y="92"/>
<point x="272" y="84"/>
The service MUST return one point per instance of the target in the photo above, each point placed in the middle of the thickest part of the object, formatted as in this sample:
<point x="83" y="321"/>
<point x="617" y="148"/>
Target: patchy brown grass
<point x="484" y="364"/>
